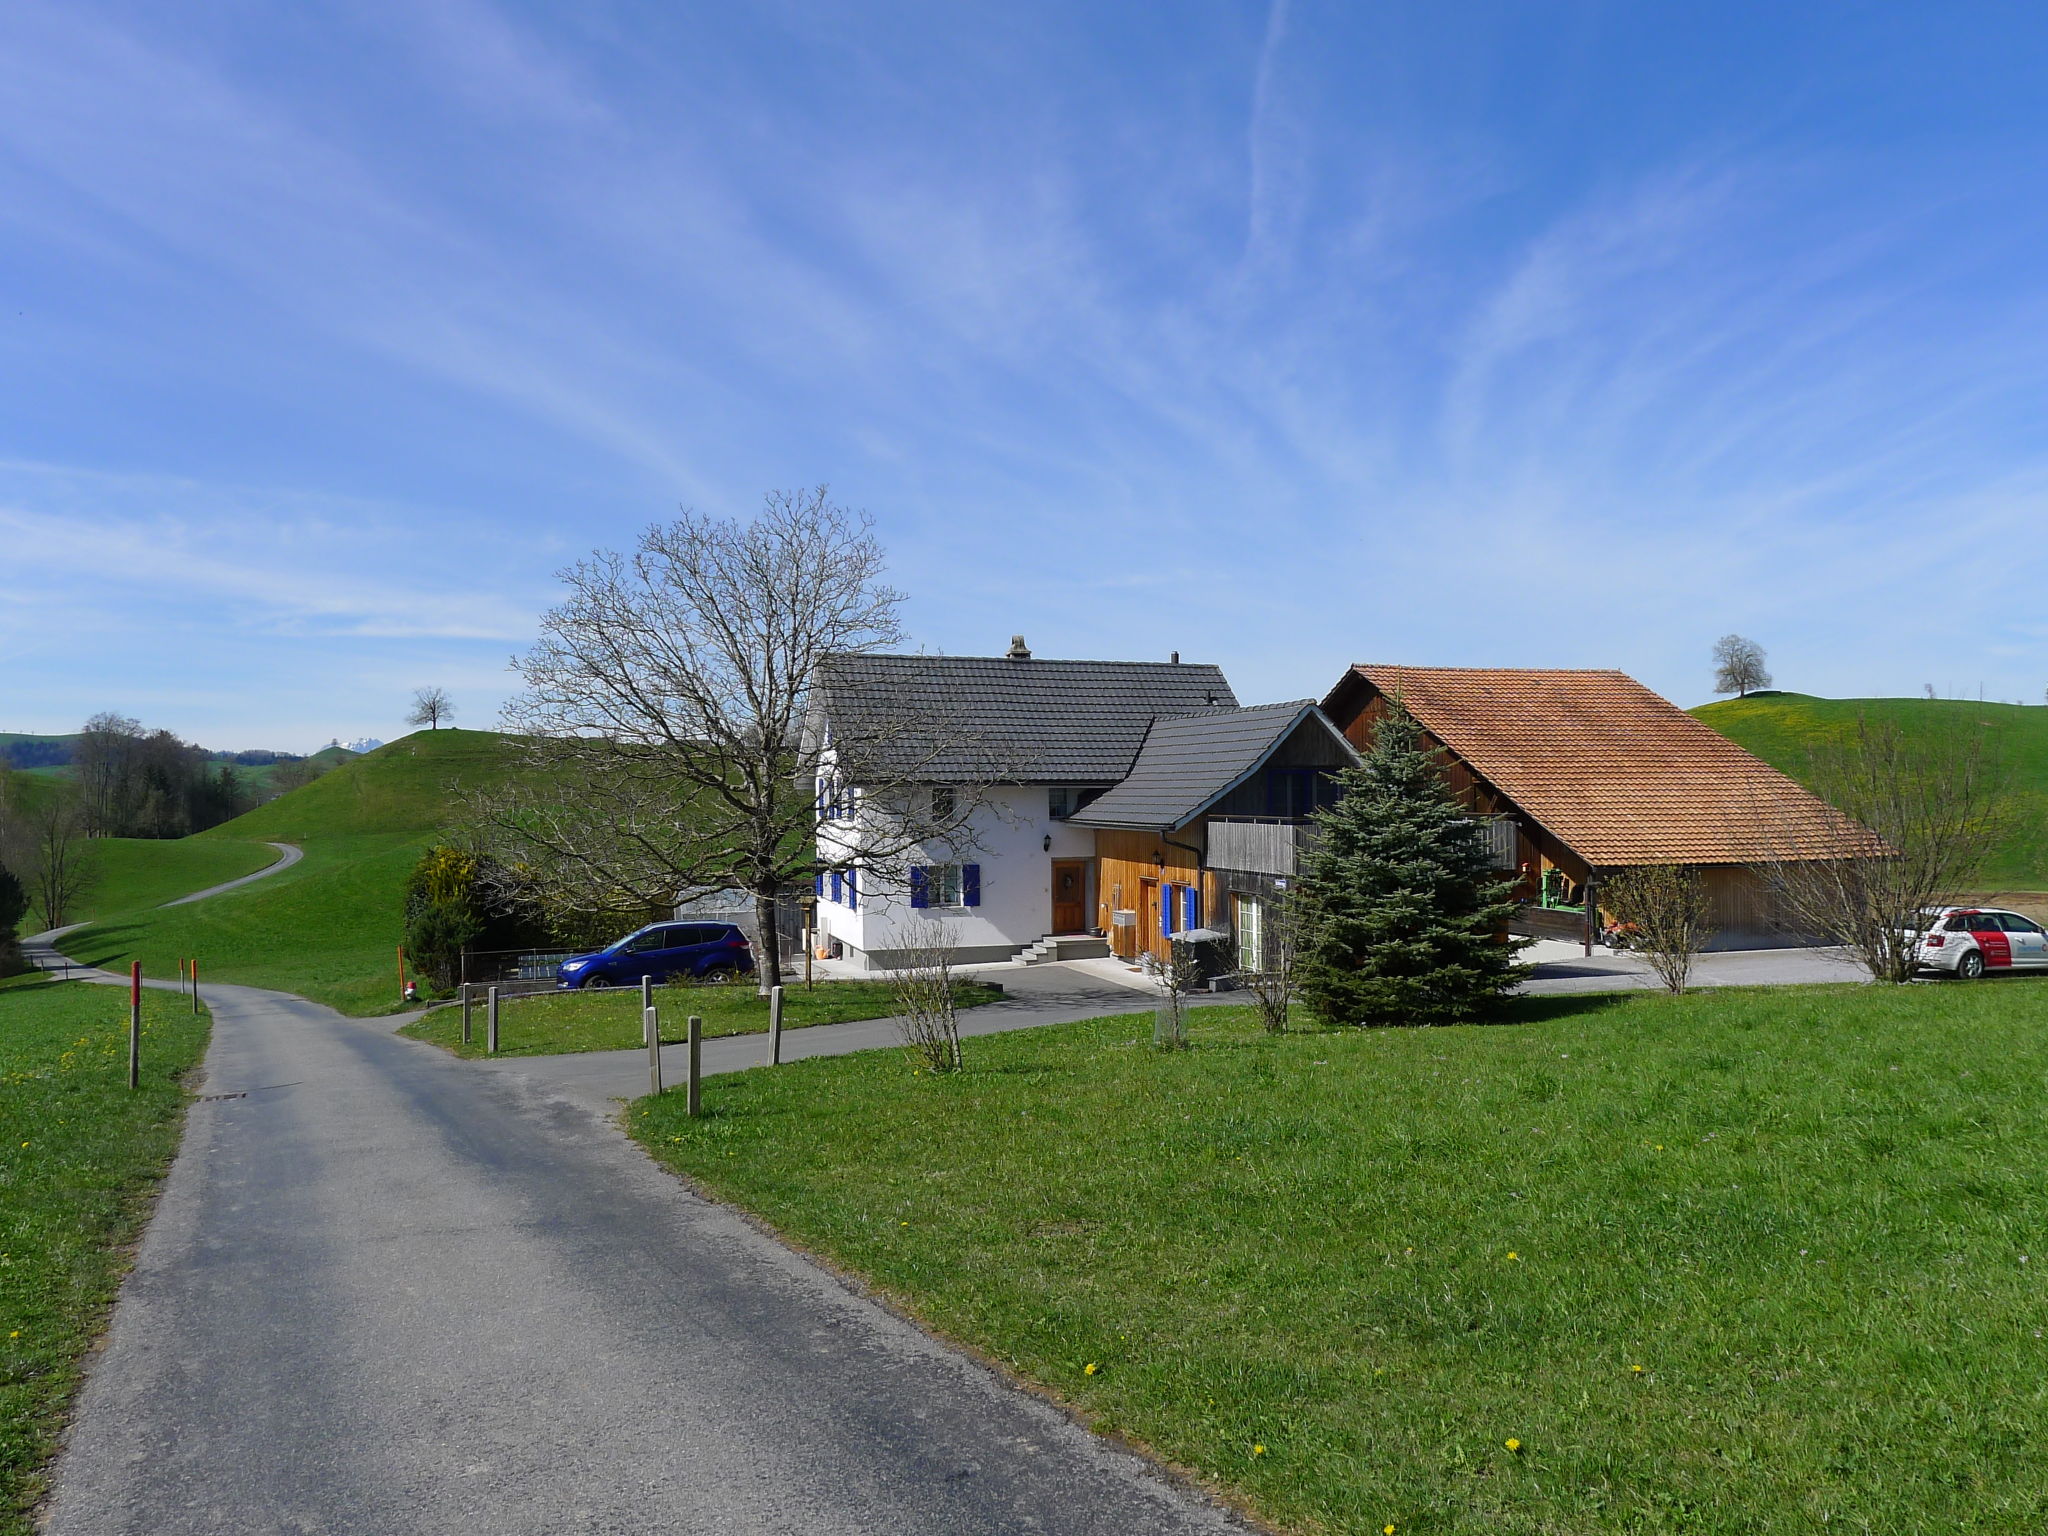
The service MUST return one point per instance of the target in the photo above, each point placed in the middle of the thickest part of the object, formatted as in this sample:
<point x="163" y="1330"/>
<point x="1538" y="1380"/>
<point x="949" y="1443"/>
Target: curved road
<point x="289" y="854"/>
<point x="387" y="1293"/>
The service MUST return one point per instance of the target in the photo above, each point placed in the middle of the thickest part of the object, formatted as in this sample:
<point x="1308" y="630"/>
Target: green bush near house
<point x="80" y="1156"/>
<point x="1747" y="1261"/>
<point x="558" y="1023"/>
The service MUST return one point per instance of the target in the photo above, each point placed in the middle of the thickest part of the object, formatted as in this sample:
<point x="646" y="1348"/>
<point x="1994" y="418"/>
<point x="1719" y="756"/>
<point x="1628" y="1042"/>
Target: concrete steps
<point x="1063" y="946"/>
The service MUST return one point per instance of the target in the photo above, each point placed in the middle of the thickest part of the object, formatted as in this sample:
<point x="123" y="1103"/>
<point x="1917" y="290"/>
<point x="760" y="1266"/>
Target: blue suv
<point x="665" y="952"/>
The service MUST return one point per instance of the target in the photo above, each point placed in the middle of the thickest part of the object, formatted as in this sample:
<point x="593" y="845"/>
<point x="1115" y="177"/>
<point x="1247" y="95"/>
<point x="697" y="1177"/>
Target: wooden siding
<point x="1124" y="861"/>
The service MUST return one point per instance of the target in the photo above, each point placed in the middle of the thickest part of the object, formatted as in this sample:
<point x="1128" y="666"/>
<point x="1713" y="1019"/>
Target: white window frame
<point x="945" y="888"/>
<point x="1251" y="933"/>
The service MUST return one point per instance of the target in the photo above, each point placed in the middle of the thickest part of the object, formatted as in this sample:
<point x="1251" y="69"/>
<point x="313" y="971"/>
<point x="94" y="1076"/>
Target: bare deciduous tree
<point x="927" y="1011"/>
<point x="1177" y="974"/>
<point x="430" y="706"/>
<point x="1668" y="915"/>
<point x="1935" y="812"/>
<point x="1739" y="666"/>
<point x="666" y="725"/>
<point x="44" y="842"/>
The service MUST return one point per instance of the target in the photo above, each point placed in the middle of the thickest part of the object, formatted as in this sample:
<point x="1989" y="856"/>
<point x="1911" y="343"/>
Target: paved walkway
<point x="288" y="855"/>
<point x="386" y="1294"/>
<point x="1562" y="967"/>
<point x="1035" y="995"/>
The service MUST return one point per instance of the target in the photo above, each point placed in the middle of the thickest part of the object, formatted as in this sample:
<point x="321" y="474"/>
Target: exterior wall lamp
<point x="1048" y="842"/>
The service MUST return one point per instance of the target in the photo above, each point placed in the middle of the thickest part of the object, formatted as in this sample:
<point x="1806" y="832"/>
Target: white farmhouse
<point x="1016" y="875"/>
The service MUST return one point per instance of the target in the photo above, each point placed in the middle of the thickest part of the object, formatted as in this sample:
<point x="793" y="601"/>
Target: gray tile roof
<point x="1189" y="761"/>
<point x="935" y="718"/>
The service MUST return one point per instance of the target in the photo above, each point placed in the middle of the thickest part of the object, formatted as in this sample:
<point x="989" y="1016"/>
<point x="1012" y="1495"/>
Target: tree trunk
<point x="768" y="945"/>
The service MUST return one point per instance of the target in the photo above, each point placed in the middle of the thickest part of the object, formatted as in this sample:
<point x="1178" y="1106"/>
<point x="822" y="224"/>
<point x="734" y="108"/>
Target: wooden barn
<point x="1587" y="773"/>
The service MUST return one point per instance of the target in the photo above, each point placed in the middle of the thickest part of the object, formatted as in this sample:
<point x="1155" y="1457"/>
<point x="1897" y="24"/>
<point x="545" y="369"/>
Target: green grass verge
<point x="80" y="1155"/>
<point x="329" y="927"/>
<point x="559" y="1023"/>
<point x="136" y="873"/>
<point x="1784" y="729"/>
<point x="1337" y="1273"/>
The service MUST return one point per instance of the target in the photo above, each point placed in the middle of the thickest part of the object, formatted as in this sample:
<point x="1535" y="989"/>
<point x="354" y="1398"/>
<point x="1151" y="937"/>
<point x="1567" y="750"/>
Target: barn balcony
<point x="1258" y="845"/>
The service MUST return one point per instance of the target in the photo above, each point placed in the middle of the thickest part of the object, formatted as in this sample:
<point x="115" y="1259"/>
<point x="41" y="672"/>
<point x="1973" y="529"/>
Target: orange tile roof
<point x="1617" y="773"/>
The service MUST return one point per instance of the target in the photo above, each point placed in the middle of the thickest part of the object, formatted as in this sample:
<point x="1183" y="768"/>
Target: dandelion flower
<point x="1090" y="1368"/>
<point x="1637" y="1369"/>
<point x="1386" y="1530"/>
<point x="1513" y="1255"/>
<point x="1258" y="1450"/>
<point x="1513" y="1444"/>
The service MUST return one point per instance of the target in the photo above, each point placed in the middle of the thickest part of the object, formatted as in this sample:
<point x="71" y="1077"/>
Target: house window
<point x="1500" y="840"/>
<point x="943" y="803"/>
<point x="1251" y="934"/>
<point x="835" y="798"/>
<point x="945" y="885"/>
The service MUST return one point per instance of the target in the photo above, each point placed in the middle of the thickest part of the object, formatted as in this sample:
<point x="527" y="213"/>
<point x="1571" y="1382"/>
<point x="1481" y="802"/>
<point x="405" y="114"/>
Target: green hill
<point x="329" y="927"/>
<point x="1784" y="728"/>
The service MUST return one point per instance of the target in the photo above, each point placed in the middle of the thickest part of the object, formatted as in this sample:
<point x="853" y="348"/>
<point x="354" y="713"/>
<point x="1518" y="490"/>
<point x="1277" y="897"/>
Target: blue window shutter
<point x="920" y="886"/>
<point x="838" y="884"/>
<point x="819" y="884"/>
<point x="1190" y="907"/>
<point x="1166" y="911"/>
<point x="970" y="885"/>
<point x="853" y="889"/>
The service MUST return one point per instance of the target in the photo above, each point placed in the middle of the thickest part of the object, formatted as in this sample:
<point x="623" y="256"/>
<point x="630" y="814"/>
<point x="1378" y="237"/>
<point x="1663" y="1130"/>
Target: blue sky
<point x="1281" y="335"/>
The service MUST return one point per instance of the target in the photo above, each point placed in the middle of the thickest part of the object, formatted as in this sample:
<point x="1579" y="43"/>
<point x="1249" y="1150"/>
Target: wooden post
<point x="646" y="993"/>
<point x="491" y="1022"/>
<point x="650" y="1023"/>
<point x="810" y="909"/>
<point x="401" y="973"/>
<point x="692" y="1102"/>
<point x="195" y="986"/>
<point x="1592" y="911"/>
<point x="135" y="1024"/>
<point x="775" y="1026"/>
<point x="467" y="997"/>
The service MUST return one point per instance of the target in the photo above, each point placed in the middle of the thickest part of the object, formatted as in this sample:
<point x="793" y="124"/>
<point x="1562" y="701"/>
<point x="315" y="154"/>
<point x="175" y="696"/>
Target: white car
<point x="1968" y="941"/>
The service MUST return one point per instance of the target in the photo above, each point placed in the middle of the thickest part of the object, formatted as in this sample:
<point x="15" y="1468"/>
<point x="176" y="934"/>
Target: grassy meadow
<point x="329" y="927"/>
<point x="80" y="1155"/>
<point x="133" y="874"/>
<point x="1742" y="1261"/>
<point x="1784" y="728"/>
<point x="559" y="1023"/>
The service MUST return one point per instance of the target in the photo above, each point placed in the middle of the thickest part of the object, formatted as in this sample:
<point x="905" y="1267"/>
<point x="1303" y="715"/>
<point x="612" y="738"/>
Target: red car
<point x="1968" y="941"/>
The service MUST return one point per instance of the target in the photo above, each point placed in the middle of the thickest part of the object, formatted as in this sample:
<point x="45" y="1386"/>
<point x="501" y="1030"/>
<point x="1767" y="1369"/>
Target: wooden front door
<point x="1069" y="895"/>
<point x="1148" y="917"/>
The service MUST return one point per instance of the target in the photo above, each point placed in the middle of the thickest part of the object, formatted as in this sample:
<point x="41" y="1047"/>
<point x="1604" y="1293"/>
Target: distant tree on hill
<point x="430" y="706"/>
<point x="1739" y="666"/>
<point x="1403" y="915"/>
<point x="134" y="782"/>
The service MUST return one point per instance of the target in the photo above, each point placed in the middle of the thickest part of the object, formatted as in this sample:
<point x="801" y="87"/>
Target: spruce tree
<point x="1402" y="908"/>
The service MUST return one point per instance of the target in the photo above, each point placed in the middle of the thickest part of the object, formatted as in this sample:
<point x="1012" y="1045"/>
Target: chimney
<point x="1019" y="651"/>
<point x="1173" y="658"/>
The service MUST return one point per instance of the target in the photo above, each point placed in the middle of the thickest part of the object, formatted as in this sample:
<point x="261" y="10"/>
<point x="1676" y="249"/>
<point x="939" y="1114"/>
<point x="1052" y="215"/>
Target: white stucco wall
<point x="1008" y="836"/>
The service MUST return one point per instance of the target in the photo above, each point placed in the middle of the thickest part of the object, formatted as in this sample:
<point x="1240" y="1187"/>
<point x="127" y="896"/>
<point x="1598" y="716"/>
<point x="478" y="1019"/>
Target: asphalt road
<point x="387" y="1293"/>
<point x="288" y="855"/>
